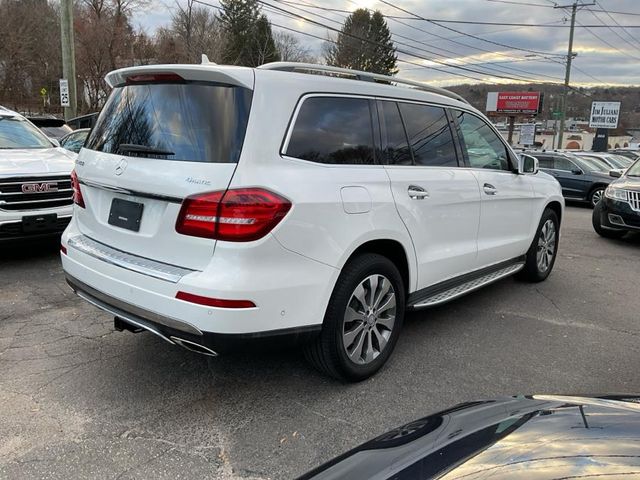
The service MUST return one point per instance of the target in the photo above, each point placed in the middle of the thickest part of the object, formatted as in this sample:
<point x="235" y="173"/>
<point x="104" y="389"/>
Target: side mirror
<point x="576" y="171"/>
<point x="527" y="164"/>
<point x="615" y="173"/>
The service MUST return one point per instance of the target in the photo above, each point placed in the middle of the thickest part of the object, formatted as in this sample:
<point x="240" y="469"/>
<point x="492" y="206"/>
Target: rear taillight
<point x="239" y="215"/>
<point x="63" y="249"/>
<point x="77" y="193"/>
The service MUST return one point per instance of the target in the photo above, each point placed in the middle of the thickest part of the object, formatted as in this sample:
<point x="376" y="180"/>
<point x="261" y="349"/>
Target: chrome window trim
<point x="128" y="261"/>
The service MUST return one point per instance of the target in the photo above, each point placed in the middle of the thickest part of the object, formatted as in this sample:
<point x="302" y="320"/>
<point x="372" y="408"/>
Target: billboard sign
<point x="514" y="102"/>
<point x="604" y="114"/>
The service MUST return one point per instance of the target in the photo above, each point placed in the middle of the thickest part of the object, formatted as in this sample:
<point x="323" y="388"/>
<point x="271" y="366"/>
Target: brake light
<point x="237" y="215"/>
<point x="77" y="193"/>
<point x="63" y="249"/>
<point x="154" y="78"/>
<point x="214" y="302"/>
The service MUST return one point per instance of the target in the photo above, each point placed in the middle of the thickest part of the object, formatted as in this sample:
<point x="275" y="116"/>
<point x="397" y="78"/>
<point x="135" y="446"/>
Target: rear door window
<point x="395" y="145"/>
<point x="192" y="122"/>
<point x="429" y="135"/>
<point x="333" y="130"/>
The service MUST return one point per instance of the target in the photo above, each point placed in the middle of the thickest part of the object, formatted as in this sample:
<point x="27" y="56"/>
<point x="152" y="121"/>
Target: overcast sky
<point x="611" y="59"/>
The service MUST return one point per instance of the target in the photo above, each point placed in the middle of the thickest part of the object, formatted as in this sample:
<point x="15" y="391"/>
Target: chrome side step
<point x="467" y="287"/>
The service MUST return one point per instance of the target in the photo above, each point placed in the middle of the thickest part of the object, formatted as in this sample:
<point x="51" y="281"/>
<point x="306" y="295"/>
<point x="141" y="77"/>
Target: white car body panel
<point x="290" y="273"/>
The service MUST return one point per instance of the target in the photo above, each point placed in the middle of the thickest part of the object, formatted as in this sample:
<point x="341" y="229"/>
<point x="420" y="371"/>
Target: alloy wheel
<point x="369" y="319"/>
<point x="546" y="246"/>
<point x="596" y="197"/>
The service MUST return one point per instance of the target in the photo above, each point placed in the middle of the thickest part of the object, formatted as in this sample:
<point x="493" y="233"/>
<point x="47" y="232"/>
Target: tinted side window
<point x="334" y="130"/>
<point x="561" y="163"/>
<point x="545" y="162"/>
<point x="429" y="135"/>
<point x="395" y="146"/>
<point x="483" y="146"/>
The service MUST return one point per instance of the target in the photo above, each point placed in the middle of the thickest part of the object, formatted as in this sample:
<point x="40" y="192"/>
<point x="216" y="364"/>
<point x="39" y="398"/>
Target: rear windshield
<point x="191" y="122"/>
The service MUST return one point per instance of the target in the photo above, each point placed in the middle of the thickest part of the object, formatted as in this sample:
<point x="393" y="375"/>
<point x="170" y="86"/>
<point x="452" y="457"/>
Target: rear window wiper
<point x="135" y="148"/>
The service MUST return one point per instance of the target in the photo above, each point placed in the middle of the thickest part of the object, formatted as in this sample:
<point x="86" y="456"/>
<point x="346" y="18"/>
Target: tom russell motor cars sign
<point x="514" y="102"/>
<point x="604" y="114"/>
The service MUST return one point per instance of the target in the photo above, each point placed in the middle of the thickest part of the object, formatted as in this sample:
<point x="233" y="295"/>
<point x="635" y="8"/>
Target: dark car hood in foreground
<point x="538" y="437"/>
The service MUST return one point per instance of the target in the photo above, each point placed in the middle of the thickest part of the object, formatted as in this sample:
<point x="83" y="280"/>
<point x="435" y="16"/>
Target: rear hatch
<point x="164" y="134"/>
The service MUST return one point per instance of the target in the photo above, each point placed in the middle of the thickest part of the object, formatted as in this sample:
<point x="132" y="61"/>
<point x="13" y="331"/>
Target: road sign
<point x="64" y="93"/>
<point x="43" y="91"/>
<point x="604" y="114"/>
<point x="528" y="134"/>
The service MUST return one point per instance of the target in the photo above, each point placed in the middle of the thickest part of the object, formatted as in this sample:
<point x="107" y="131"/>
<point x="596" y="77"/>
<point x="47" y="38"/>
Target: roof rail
<point x="357" y="75"/>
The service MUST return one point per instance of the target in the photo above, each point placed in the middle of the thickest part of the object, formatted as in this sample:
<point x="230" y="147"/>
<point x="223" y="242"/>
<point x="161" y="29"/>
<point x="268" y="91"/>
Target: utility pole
<point x="68" y="55"/>
<point x="570" y="55"/>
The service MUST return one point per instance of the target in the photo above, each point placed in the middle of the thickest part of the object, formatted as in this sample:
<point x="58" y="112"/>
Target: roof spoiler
<point x="206" y="72"/>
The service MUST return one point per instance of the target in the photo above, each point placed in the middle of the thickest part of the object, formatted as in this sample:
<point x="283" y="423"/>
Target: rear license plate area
<point x="125" y="214"/>
<point x="39" y="223"/>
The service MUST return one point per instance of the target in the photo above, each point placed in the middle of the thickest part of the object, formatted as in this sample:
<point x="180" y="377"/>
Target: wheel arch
<point x="557" y="209"/>
<point x="394" y="251"/>
<point x="596" y="186"/>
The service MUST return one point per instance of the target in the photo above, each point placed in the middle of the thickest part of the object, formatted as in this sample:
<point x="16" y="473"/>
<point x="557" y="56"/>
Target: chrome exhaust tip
<point x="194" y="347"/>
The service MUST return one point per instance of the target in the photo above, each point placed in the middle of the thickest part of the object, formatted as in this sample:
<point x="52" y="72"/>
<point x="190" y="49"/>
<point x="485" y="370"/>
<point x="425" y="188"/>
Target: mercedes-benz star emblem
<point x="121" y="167"/>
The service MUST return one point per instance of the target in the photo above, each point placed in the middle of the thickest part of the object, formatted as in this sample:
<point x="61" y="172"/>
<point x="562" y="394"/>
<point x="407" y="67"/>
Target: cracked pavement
<point x="80" y="400"/>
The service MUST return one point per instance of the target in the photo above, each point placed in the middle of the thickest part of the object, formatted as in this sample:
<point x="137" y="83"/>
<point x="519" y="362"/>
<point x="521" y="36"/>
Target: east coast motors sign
<point x="514" y="102"/>
<point x="604" y="114"/>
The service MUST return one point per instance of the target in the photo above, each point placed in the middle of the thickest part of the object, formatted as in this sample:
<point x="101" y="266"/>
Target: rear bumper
<point x="290" y="291"/>
<point x="183" y="334"/>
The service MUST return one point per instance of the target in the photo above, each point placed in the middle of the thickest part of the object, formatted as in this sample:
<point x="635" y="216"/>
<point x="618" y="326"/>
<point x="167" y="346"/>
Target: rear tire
<point x="542" y="254"/>
<point x="363" y="320"/>
<point x="596" y="220"/>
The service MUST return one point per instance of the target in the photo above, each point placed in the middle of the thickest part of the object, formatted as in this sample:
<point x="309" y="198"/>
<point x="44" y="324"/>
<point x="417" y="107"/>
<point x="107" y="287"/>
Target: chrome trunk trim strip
<point x="128" y="261"/>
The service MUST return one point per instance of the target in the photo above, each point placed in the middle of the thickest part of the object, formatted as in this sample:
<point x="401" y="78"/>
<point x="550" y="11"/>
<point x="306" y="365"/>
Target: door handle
<point x="489" y="189"/>
<point x="417" y="193"/>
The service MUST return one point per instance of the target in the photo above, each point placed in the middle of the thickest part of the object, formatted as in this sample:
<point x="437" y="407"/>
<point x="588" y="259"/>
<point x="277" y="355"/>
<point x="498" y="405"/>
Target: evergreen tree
<point x="364" y="43"/>
<point x="248" y="37"/>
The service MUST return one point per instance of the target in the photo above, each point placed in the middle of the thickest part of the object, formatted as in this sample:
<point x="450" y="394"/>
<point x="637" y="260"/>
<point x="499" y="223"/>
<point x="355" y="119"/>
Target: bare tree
<point x="291" y="50"/>
<point x="194" y="30"/>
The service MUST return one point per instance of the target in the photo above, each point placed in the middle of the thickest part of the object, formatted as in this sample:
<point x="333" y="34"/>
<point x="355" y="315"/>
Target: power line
<point x="465" y="22"/>
<point x="500" y="69"/>
<point x="334" y="42"/>
<point x="616" y="22"/>
<point x="398" y="50"/>
<point x="511" y="47"/>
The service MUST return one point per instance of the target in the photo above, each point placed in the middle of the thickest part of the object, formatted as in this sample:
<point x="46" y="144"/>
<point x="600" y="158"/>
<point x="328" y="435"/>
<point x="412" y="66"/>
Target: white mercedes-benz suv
<point x="217" y="206"/>
<point x="35" y="181"/>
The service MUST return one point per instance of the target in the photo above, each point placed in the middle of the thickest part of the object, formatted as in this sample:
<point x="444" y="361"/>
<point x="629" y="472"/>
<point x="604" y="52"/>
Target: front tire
<point x="363" y="320"/>
<point x="596" y="221"/>
<point x="542" y="254"/>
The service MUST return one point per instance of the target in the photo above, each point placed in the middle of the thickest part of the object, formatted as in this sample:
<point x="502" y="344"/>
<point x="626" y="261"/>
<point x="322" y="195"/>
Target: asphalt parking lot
<point x="80" y="400"/>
